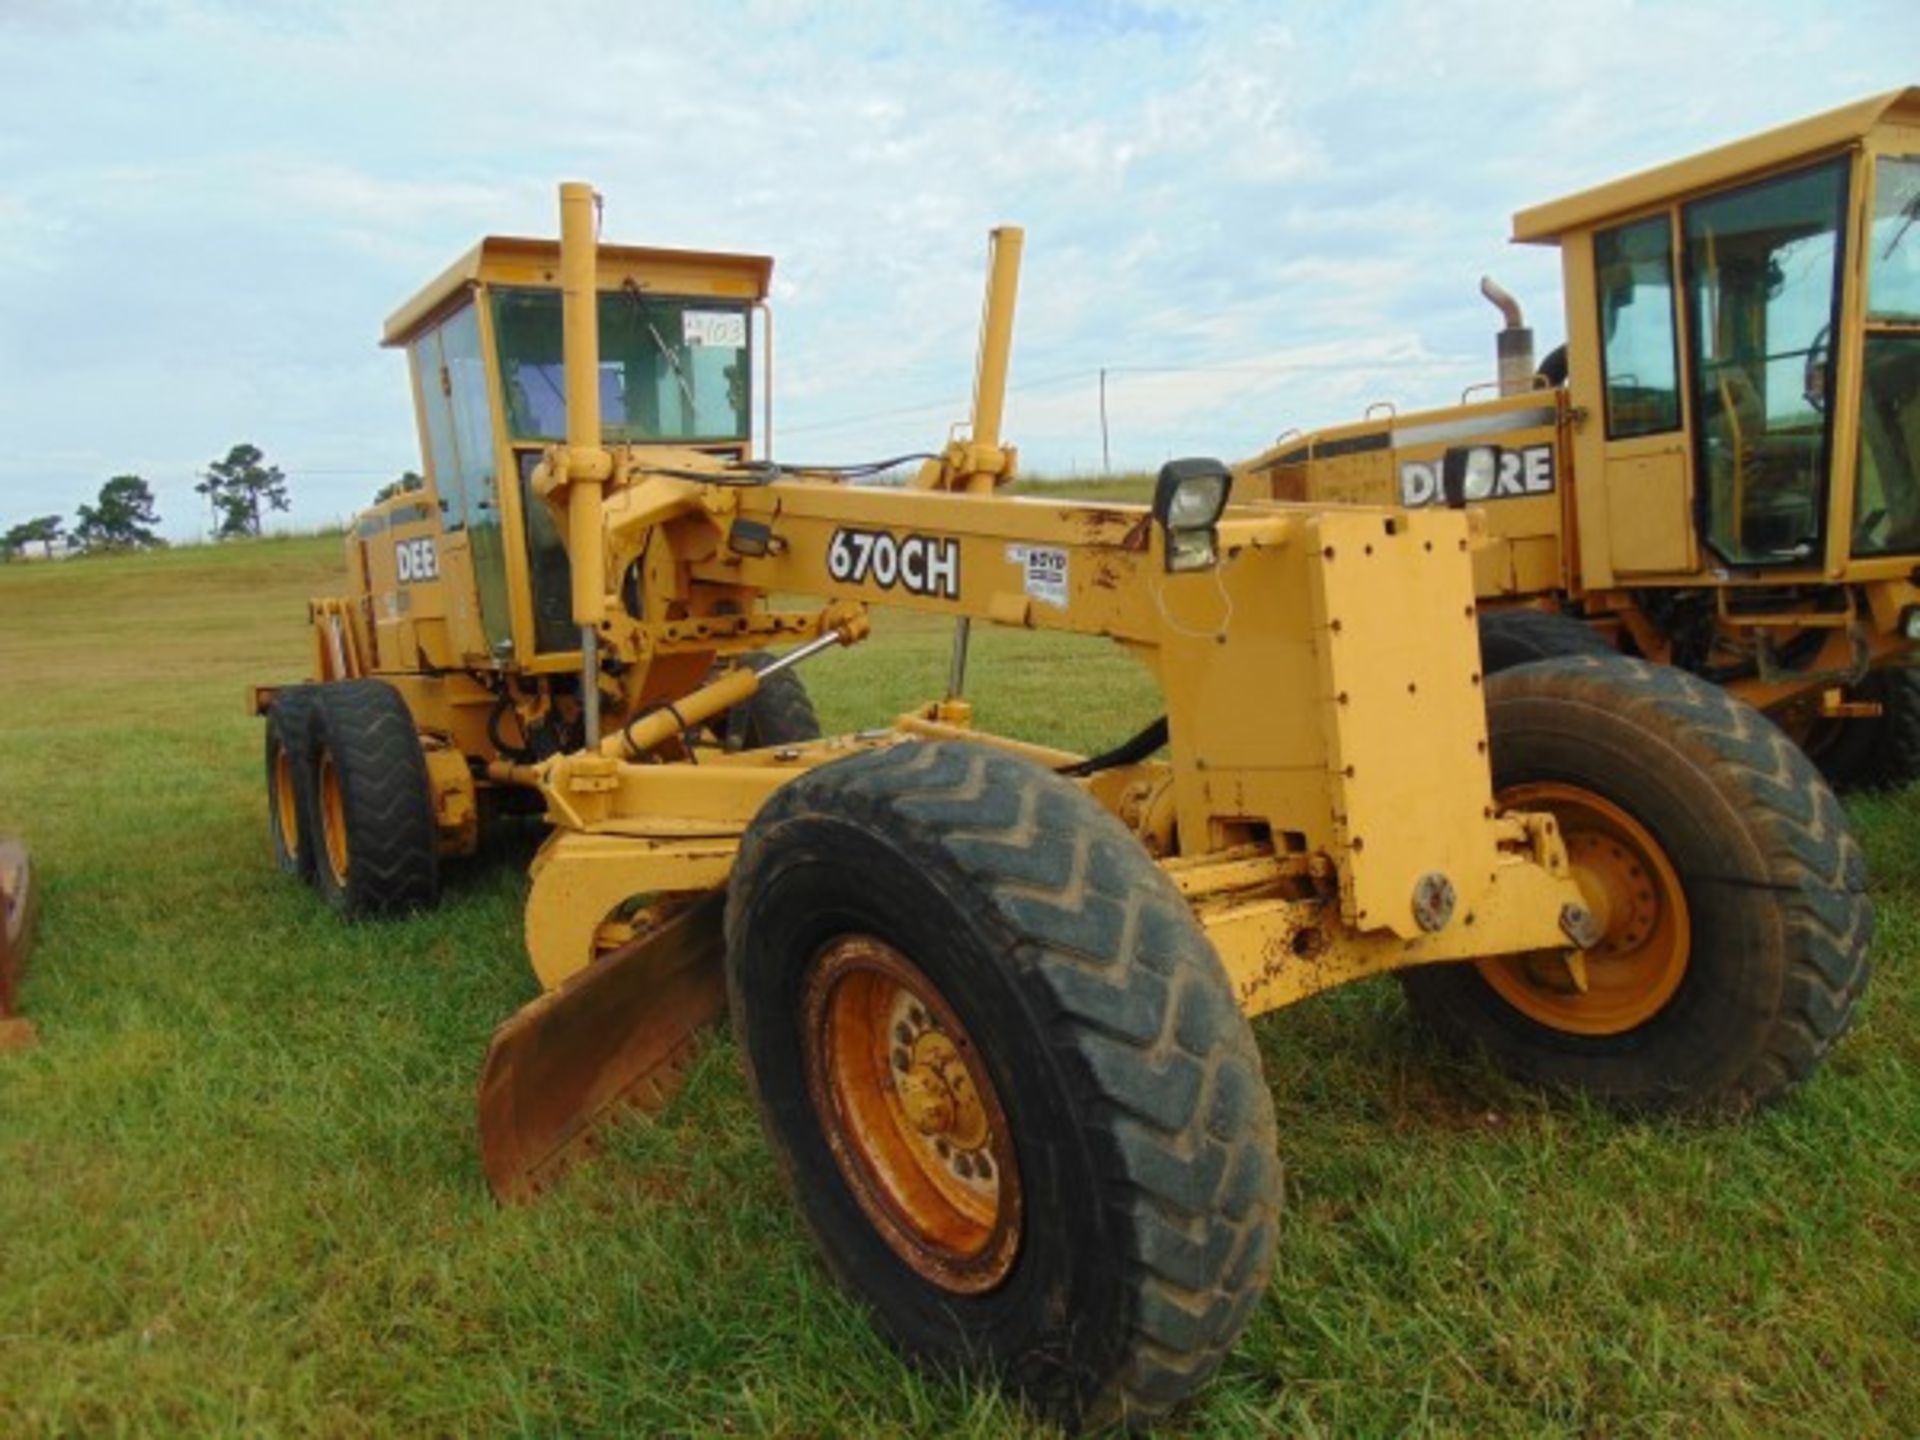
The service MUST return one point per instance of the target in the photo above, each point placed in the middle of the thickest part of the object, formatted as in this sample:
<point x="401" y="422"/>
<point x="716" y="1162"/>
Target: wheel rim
<point x="1632" y="887"/>
<point x="333" y="819"/>
<point x="286" y="803"/>
<point x="910" y="1115"/>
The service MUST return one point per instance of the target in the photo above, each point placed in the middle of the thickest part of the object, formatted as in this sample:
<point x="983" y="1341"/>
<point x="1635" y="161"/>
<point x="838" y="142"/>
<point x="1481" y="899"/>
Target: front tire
<point x="374" y="835"/>
<point x="1004" y="1075"/>
<point x="1732" y="889"/>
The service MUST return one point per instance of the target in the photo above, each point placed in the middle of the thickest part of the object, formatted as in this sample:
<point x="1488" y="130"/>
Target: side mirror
<point x="1467" y="473"/>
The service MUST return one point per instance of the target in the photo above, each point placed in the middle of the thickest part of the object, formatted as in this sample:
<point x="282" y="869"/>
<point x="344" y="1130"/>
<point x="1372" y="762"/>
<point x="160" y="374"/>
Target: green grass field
<point x="239" y="1189"/>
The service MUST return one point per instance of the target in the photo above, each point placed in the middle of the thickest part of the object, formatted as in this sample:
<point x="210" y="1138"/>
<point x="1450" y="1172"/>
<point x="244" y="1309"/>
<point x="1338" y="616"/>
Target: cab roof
<point x="514" y="260"/>
<point x="1828" y="131"/>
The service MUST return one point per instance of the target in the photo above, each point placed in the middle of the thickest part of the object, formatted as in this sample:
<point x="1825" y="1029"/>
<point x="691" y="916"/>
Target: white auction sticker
<point x="1045" y="570"/>
<point x="716" y="329"/>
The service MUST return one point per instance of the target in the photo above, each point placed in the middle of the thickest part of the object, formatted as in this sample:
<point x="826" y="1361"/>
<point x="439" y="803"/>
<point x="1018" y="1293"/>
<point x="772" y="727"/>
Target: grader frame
<point x="993" y="996"/>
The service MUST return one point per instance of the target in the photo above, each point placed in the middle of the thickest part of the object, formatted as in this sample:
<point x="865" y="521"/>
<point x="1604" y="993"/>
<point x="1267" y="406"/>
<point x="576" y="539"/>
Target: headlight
<point x="1467" y="474"/>
<point x="1191" y="549"/>
<point x="1190" y="494"/>
<point x="1187" y="501"/>
<point x="1197" y="502"/>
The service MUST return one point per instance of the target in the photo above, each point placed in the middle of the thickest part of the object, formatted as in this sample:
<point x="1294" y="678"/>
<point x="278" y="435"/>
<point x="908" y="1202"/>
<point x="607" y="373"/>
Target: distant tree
<point x="408" y="480"/>
<point x="239" y="488"/>
<point x="43" y="532"/>
<point x="123" y="520"/>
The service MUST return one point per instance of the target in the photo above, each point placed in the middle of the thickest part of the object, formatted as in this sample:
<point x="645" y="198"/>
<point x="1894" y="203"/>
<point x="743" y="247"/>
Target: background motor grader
<point x="993" y="997"/>
<point x="1721" y="470"/>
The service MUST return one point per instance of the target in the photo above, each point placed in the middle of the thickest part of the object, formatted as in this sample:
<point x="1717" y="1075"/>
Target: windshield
<point x="671" y="369"/>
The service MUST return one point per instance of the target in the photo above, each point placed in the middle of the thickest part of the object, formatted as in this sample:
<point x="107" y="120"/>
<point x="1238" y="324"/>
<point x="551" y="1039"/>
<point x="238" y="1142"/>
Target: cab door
<point x="1763" y="267"/>
<point x="1648" y="511"/>
<point x="451" y="369"/>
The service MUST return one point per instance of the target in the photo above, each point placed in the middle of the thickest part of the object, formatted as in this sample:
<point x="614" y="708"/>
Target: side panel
<point x="1402" y="711"/>
<point x="1650" y="509"/>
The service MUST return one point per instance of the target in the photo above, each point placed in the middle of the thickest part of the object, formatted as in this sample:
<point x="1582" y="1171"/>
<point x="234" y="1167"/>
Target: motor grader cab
<point x="461" y="590"/>
<point x="1722" y="468"/>
<point x="992" y="996"/>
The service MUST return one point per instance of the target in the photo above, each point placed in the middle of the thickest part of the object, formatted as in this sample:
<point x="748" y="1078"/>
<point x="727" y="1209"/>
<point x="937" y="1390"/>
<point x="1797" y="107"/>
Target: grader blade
<point x="19" y="902"/>
<point x="619" y="1035"/>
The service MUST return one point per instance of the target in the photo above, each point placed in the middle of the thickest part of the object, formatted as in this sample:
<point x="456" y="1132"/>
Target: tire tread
<point x="1136" y="1008"/>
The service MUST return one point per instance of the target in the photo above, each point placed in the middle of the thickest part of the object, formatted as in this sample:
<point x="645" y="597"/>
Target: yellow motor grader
<point x="993" y="997"/>
<point x="1720" y="470"/>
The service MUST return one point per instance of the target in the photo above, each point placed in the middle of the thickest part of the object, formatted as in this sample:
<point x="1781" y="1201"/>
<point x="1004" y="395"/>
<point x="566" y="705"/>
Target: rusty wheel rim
<point x="1632" y="887"/>
<point x="910" y="1115"/>
<point x="286" y="802"/>
<point x="333" y="819"/>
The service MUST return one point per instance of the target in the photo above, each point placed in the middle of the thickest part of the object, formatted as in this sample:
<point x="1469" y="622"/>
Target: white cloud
<point x="204" y="247"/>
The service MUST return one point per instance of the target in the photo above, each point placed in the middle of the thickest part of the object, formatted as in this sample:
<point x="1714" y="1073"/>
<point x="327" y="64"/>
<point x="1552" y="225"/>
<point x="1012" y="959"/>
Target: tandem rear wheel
<point x="1004" y="1076"/>
<point x="370" y="810"/>
<point x="1731" y="889"/>
<point x="290" y="780"/>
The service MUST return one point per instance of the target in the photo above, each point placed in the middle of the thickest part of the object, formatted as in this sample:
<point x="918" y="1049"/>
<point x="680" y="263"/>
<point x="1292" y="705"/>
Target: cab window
<point x="1886" y="508"/>
<point x="671" y="369"/>
<point x="1633" y="268"/>
<point x="1763" y="268"/>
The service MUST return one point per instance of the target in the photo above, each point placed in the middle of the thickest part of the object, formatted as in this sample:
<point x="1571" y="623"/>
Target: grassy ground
<point x="238" y="1187"/>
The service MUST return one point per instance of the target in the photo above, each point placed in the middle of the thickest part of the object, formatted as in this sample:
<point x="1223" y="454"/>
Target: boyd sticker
<point x="1044" y="570"/>
<point x="416" y="560"/>
<point x="1522" y="473"/>
<point x="918" y="564"/>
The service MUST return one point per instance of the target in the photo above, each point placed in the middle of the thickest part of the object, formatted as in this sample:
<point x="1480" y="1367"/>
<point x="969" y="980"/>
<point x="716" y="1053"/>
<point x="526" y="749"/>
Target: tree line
<point x="241" y="490"/>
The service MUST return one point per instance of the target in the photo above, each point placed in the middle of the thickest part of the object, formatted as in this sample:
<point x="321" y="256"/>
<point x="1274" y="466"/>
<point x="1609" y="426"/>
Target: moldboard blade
<point x="618" y="1035"/>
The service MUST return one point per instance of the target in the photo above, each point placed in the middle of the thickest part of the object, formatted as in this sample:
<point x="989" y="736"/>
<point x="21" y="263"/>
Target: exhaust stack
<point x="1514" y="344"/>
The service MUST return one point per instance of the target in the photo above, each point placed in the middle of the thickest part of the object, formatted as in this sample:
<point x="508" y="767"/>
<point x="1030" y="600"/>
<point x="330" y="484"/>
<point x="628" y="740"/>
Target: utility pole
<point x="1106" y="452"/>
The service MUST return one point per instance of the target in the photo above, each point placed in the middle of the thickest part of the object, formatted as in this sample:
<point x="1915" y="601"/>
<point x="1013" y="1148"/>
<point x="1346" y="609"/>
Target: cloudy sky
<point x="1255" y="216"/>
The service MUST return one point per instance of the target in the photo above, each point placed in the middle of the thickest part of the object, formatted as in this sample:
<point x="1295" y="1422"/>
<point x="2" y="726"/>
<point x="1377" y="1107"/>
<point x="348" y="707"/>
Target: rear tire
<point x="289" y="768"/>
<point x="1899" y="755"/>
<point x="1520" y="637"/>
<point x="1878" y="753"/>
<point x="374" y="835"/>
<point x="1133" y="1184"/>
<point x="1767" y="907"/>
<point x="780" y="712"/>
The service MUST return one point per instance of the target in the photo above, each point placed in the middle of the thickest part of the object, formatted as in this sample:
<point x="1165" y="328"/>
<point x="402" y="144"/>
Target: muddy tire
<point x="1520" y="637"/>
<point x="374" y="836"/>
<point x="289" y="768"/>
<point x="944" y="912"/>
<point x="1733" y="889"/>
<point x="780" y="712"/>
